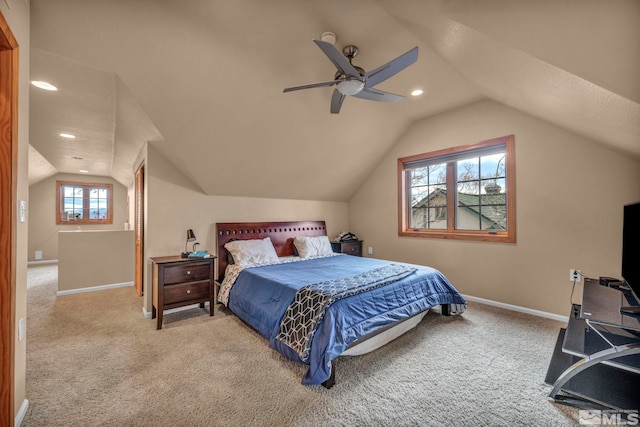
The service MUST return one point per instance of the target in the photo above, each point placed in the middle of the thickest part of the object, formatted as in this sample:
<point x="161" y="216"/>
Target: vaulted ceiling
<point x="202" y="80"/>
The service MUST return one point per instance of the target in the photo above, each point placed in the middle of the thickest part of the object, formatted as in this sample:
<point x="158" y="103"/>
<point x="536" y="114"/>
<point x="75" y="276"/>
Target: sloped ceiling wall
<point x="206" y="78"/>
<point x="546" y="61"/>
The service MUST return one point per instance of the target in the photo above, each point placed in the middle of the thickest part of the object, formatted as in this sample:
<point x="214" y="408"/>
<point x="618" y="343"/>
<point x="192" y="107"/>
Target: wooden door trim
<point x="8" y="206"/>
<point x="139" y="230"/>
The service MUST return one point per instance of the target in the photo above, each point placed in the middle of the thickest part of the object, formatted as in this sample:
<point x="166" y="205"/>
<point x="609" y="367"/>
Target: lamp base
<point x="184" y="255"/>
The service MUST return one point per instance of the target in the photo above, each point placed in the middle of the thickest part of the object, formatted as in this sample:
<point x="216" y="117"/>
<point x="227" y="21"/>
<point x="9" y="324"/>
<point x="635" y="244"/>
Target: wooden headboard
<point x="281" y="234"/>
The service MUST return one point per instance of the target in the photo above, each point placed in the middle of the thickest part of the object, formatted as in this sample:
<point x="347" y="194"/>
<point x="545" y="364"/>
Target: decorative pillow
<point x="309" y="247"/>
<point x="247" y="253"/>
<point x="230" y="260"/>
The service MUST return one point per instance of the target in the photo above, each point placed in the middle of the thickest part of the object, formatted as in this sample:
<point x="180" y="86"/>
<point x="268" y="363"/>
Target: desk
<point x="596" y="360"/>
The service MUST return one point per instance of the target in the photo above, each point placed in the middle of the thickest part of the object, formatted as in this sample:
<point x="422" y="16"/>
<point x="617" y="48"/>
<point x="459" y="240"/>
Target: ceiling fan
<point x="354" y="81"/>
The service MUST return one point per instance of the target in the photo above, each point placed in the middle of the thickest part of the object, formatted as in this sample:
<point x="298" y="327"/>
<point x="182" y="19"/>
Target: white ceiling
<point x="203" y="81"/>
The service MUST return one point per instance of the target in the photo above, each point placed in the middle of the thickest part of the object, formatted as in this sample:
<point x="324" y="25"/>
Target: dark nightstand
<point x="351" y="247"/>
<point x="181" y="281"/>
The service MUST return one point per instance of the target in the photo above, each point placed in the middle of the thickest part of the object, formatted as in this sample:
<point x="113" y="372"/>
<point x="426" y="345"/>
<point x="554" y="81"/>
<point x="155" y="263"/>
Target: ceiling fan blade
<point x="378" y="95"/>
<point x="311" y="85"/>
<point x="336" y="101"/>
<point x="339" y="60"/>
<point x="391" y="68"/>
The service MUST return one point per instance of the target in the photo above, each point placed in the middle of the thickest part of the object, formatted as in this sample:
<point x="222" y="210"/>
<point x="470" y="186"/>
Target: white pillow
<point x="247" y="253"/>
<point x="313" y="246"/>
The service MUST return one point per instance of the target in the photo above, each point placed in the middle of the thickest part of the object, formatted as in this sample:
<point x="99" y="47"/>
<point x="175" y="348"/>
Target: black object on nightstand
<point x="181" y="281"/>
<point x="349" y="247"/>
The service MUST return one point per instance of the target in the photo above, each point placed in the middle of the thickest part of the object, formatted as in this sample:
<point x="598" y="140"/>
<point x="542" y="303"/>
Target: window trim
<point x="86" y="219"/>
<point x="508" y="236"/>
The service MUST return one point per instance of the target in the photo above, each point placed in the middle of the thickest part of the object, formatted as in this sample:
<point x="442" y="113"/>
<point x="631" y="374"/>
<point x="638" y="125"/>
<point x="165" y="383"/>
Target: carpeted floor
<point x="93" y="360"/>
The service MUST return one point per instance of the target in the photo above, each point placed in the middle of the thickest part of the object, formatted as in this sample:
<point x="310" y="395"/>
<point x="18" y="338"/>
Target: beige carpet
<point x="93" y="360"/>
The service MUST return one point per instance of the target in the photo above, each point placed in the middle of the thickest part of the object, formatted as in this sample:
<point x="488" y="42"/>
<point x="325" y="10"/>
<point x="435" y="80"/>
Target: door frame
<point x="8" y="206"/>
<point x="139" y="229"/>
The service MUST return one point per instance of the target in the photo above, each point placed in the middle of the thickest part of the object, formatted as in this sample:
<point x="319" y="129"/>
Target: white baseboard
<point x="94" y="288"/>
<point x="147" y="314"/>
<point x="511" y="307"/>
<point x="518" y="308"/>
<point x="21" y="413"/>
<point x="43" y="261"/>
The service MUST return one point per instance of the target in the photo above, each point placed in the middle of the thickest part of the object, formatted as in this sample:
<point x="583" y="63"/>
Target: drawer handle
<point x="188" y="291"/>
<point x="188" y="271"/>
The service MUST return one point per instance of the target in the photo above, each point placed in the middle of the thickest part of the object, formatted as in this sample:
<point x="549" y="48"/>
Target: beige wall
<point x="17" y="15"/>
<point x="43" y="230"/>
<point x="94" y="258"/>
<point x="174" y="205"/>
<point x="570" y="194"/>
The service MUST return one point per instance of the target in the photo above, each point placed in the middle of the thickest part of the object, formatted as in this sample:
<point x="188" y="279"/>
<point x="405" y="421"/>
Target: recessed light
<point x="77" y="158"/>
<point x="84" y="171"/>
<point x="68" y="136"/>
<point x="417" y="92"/>
<point x="43" y="85"/>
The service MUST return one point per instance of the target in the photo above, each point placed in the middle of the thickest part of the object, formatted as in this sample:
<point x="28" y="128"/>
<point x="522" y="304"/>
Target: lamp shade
<point x="191" y="236"/>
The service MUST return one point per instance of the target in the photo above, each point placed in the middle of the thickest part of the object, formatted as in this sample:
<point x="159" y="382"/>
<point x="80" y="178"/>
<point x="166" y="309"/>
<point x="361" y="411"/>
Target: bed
<point x="313" y="305"/>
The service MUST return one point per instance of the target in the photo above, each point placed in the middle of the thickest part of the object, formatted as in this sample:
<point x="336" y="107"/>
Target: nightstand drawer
<point x="187" y="291"/>
<point x="354" y="248"/>
<point x="186" y="273"/>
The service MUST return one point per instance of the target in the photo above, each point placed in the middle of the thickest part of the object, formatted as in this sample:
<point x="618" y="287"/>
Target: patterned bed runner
<point x="304" y="314"/>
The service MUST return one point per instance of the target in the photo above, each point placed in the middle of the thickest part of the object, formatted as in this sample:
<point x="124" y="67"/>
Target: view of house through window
<point x="462" y="192"/>
<point x="83" y="203"/>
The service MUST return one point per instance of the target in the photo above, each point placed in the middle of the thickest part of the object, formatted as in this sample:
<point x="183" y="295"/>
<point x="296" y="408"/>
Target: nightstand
<point x="181" y="281"/>
<point x="350" y="247"/>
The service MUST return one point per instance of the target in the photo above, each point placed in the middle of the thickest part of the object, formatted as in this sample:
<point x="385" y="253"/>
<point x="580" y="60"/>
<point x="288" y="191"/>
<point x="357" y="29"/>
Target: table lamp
<point x="190" y="238"/>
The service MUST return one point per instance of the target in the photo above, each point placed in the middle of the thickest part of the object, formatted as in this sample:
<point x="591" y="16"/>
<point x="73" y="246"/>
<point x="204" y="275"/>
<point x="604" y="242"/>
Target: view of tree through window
<point x="482" y="203"/>
<point x="80" y="202"/>
<point x="462" y="192"/>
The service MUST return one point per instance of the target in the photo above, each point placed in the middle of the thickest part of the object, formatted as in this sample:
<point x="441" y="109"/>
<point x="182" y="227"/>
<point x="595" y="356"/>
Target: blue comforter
<point x="261" y="295"/>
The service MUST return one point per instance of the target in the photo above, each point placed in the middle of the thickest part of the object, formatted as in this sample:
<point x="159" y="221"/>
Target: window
<point x="464" y="193"/>
<point x="83" y="203"/>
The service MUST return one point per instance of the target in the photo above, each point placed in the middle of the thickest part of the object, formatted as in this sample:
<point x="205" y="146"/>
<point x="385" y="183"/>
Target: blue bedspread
<point x="261" y="295"/>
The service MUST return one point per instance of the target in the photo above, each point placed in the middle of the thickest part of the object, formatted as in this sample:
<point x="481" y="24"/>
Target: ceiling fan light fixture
<point x="351" y="80"/>
<point x="350" y="87"/>
<point x="329" y="37"/>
